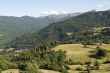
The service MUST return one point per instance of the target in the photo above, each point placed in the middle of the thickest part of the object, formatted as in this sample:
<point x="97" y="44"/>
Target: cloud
<point x="50" y="12"/>
<point x="100" y="5"/>
<point x="103" y="4"/>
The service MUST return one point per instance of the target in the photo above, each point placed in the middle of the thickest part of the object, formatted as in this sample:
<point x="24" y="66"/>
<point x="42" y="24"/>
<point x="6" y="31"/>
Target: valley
<point x="12" y="27"/>
<point x="78" y="54"/>
<point x="77" y="44"/>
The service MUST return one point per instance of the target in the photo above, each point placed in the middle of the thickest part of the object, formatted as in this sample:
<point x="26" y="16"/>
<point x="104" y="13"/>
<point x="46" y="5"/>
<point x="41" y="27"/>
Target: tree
<point x="88" y="66"/>
<point x="32" y="67"/>
<point x="0" y="70"/>
<point x="97" y="65"/>
<point x="100" y="53"/>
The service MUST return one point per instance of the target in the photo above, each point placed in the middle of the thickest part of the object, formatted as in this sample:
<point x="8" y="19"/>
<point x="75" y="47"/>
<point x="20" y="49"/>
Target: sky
<point x="38" y="8"/>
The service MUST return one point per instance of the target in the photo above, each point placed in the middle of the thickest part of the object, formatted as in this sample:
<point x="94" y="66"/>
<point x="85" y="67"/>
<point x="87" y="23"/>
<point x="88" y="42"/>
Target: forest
<point x="79" y="44"/>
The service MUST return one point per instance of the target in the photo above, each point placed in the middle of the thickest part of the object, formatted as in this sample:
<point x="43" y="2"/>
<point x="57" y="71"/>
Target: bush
<point x="63" y="70"/>
<point x="88" y="62"/>
<point x="79" y="69"/>
<point x="96" y="65"/>
<point x="0" y="70"/>
<point x="100" y="53"/>
<point x="4" y="65"/>
<point x="107" y="61"/>
<point x="31" y="67"/>
<point x="71" y="62"/>
<point x="21" y="65"/>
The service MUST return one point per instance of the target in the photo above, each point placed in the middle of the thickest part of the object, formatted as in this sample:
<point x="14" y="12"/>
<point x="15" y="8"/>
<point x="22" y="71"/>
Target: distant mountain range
<point x="90" y="26"/>
<point x="12" y="27"/>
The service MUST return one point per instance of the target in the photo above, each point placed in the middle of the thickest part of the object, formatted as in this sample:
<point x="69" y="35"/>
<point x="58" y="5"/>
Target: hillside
<point x="12" y="27"/>
<point x="77" y="58"/>
<point x="78" y="53"/>
<point x="81" y="28"/>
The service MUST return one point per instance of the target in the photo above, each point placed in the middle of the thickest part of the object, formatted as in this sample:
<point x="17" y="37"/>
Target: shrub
<point x="71" y="62"/>
<point x="0" y="70"/>
<point x="107" y="61"/>
<point x="64" y="70"/>
<point x="96" y="65"/>
<point x="79" y="69"/>
<point x="31" y="67"/>
<point x="100" y="53"/>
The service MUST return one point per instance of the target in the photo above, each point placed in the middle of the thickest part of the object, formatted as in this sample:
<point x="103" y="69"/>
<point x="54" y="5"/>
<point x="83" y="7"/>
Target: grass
<point x="104" y="68"/>
<point x="18" y="71"/>
<point x="48" y="71"/>
<point x="11" y="71"/>
<point x="93" y="71"/>
<point x="77" y="52"/>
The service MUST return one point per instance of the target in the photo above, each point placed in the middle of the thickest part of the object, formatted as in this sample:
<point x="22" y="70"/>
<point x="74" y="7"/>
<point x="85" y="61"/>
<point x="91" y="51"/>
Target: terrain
<point x="12" y="27"/>
<point x="79" y="54"/>
<point x="80" y="44"/>
<point x="90" y="26"/>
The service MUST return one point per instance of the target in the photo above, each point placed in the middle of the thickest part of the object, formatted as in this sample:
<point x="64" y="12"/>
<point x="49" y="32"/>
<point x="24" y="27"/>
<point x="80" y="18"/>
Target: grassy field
<point x="48" y="71"/>
<point x="77" y="52"/>
<point x="11" y="71"/>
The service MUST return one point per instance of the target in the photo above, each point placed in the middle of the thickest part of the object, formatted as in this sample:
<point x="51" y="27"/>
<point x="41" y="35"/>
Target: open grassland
<point x="18" y="71"/>
<point x="48" y="71"/>
<point x="95" y="71"/>
<point x="11" y="71"/>
<point x="75" y="51"/>
<point x="78" y="52"/>
<point x="104" y="68"/>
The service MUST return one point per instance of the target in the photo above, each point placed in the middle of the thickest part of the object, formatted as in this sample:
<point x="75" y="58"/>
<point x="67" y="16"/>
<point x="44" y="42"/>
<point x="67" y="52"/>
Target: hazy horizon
<point x="36" y="8"/>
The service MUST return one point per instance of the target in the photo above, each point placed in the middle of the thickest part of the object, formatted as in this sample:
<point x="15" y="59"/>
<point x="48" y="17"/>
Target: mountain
<point x="90" y="26"/>
<point x="12" y="27"/>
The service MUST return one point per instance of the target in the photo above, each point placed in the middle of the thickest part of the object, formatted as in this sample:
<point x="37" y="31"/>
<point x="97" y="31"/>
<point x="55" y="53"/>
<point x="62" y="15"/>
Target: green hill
<point x="81" y="28"/>
<point x="12" y="27"/>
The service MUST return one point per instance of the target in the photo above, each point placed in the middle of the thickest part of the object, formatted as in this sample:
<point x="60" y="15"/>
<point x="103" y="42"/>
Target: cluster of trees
<point x="87" y="66"/>
<point x="5" y="63"/>
<point x="100" y="53"/>
<point x="46" y="59"/>
<point x="96" y="66"/>
<point x="32" y="59"/>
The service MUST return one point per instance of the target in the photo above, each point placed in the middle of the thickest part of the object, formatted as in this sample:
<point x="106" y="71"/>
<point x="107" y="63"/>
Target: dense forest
<point x="89" y="27"/>
<point x="12" y="27"/>
<point x="29" y="61"/>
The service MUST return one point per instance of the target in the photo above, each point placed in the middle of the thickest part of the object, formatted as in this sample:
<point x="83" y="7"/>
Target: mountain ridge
<point x="79" y="26"/>
<point x="12" y="27"/>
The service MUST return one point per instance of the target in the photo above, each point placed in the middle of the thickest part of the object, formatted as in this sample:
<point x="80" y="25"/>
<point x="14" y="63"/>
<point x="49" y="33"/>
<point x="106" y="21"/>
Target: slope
<point x="12" y="27"/>
<point x="73" y="30"/>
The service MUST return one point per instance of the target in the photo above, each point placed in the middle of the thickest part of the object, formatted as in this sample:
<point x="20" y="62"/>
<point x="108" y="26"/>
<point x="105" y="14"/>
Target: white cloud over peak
<point x="50" y="12"/>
